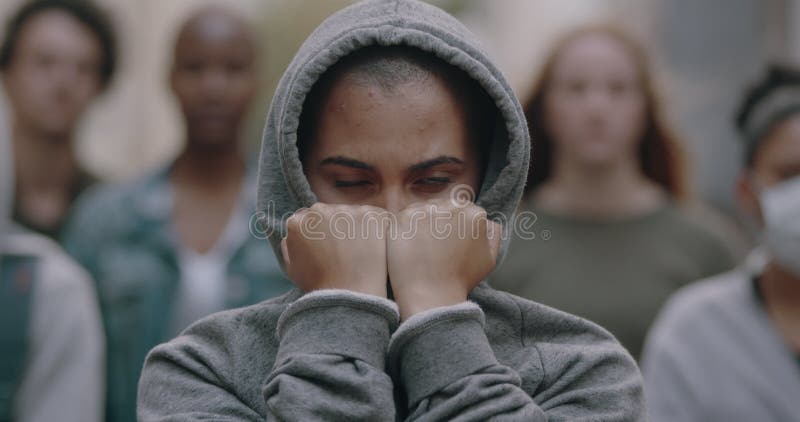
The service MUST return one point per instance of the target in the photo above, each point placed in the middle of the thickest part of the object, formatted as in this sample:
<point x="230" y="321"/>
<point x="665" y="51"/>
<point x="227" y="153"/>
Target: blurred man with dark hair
<point x="56" y="57"/>
<point x="175" y="246"/>
<point x="51" y="338"/>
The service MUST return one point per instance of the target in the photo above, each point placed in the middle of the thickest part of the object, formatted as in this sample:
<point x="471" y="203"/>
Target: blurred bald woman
<point x="175" y="246"/>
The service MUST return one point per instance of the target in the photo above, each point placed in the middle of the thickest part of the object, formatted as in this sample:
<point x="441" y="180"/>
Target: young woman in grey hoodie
<point x="382" y="112"/>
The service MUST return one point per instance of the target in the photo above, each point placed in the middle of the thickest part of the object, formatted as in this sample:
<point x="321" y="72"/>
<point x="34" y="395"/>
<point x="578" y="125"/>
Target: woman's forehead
<point x="412" y="118"/>
<point x="782" y="144"/>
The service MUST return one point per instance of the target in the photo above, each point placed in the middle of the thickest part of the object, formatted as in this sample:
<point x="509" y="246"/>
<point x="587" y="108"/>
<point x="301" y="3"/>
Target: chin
<point x="57" y="129"/>
<point x="599" y="151"/>
<point x="600" y="156"/>
<point x="213" y="144"/>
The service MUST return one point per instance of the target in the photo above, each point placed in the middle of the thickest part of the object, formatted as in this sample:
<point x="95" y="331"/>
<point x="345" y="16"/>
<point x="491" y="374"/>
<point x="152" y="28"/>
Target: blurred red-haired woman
<point x="614" y="233"/>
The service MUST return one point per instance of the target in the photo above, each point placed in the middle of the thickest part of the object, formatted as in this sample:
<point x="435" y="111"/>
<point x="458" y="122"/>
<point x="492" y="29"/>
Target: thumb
<point x="285" y="252"/>
<point x="494" y="231"/>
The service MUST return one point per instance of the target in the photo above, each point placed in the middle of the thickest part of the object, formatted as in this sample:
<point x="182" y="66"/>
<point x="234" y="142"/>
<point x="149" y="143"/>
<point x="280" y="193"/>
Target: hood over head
<point x="283" y="187"/>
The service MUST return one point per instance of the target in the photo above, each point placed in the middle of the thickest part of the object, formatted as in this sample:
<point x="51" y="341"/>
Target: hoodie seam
<point x="524" y="345"/>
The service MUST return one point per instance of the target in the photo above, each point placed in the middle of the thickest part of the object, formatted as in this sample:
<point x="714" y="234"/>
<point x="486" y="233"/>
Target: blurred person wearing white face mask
<point x="728" y="348"/>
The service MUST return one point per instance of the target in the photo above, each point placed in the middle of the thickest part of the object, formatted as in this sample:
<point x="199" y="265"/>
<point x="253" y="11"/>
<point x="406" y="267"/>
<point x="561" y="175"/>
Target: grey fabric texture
<point x="505" y="359"/>
<point x="338" y="355"/>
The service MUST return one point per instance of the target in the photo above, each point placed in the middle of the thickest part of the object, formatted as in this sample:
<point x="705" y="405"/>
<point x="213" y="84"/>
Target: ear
<point x="747" y="196"/>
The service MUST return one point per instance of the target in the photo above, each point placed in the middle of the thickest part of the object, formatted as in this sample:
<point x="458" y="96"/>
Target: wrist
<point x="427" y="299"/>
<point x="358" y="284"/>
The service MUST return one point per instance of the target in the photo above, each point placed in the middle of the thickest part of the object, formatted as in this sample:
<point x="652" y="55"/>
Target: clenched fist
<point x="438" y="252"/>
<point x="337" y="247"/>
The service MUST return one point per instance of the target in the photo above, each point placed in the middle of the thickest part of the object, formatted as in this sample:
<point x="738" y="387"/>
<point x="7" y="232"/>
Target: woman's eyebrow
<point x="443" y="159"/>
<point x="346" y="162"/>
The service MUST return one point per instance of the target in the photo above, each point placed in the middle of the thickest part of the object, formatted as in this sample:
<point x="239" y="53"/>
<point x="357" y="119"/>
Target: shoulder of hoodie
<point x="235" y="345"/>
<point x="559" y="339"/>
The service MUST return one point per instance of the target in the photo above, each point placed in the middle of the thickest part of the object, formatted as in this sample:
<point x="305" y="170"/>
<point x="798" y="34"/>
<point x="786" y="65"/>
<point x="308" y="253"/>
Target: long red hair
<point x="661" y="156"/>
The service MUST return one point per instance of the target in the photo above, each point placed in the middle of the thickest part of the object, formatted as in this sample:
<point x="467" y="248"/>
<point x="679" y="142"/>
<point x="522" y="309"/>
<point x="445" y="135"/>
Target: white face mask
<point x="780" y="206"/>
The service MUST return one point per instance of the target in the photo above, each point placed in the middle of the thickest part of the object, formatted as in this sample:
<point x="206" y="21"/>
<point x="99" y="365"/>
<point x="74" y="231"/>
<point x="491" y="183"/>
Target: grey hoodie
<point x="338" y="355"/>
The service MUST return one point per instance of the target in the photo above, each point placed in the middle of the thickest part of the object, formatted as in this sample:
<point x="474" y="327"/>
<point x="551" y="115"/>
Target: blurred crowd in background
<point x="665" y="150"/>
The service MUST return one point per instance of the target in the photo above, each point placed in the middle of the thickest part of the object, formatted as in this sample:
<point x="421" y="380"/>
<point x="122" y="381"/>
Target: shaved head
<point x="214" y="24"/>
<point x="214" y="76"/>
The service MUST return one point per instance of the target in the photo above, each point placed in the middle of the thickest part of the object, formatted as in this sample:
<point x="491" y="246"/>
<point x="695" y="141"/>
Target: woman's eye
<point x="192" y="67"/>
<point x="351" y="183"/>
<point x="434" y="181"/>
<point x="577" y="87"/>
<point x="235" y="67"/>
<point x="618" y="88"/>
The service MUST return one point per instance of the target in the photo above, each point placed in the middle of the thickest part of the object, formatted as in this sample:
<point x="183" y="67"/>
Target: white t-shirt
<point x="203" y="285"/>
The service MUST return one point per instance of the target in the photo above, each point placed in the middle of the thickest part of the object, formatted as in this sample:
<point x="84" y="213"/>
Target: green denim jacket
<point x="123" y="236"/>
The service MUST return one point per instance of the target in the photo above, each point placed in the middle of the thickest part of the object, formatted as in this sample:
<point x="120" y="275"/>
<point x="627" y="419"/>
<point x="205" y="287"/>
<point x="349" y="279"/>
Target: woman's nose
<point x="392" y="199"/>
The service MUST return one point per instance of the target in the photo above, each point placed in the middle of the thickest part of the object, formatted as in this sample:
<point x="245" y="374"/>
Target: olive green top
<point x="616" y="273"/>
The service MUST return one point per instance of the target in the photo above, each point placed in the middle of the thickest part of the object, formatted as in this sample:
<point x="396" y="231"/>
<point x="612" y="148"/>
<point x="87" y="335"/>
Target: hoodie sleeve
<point x="449" y="371"/>
<point x="329" y="365"/>
<point x="331" y="359"/>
